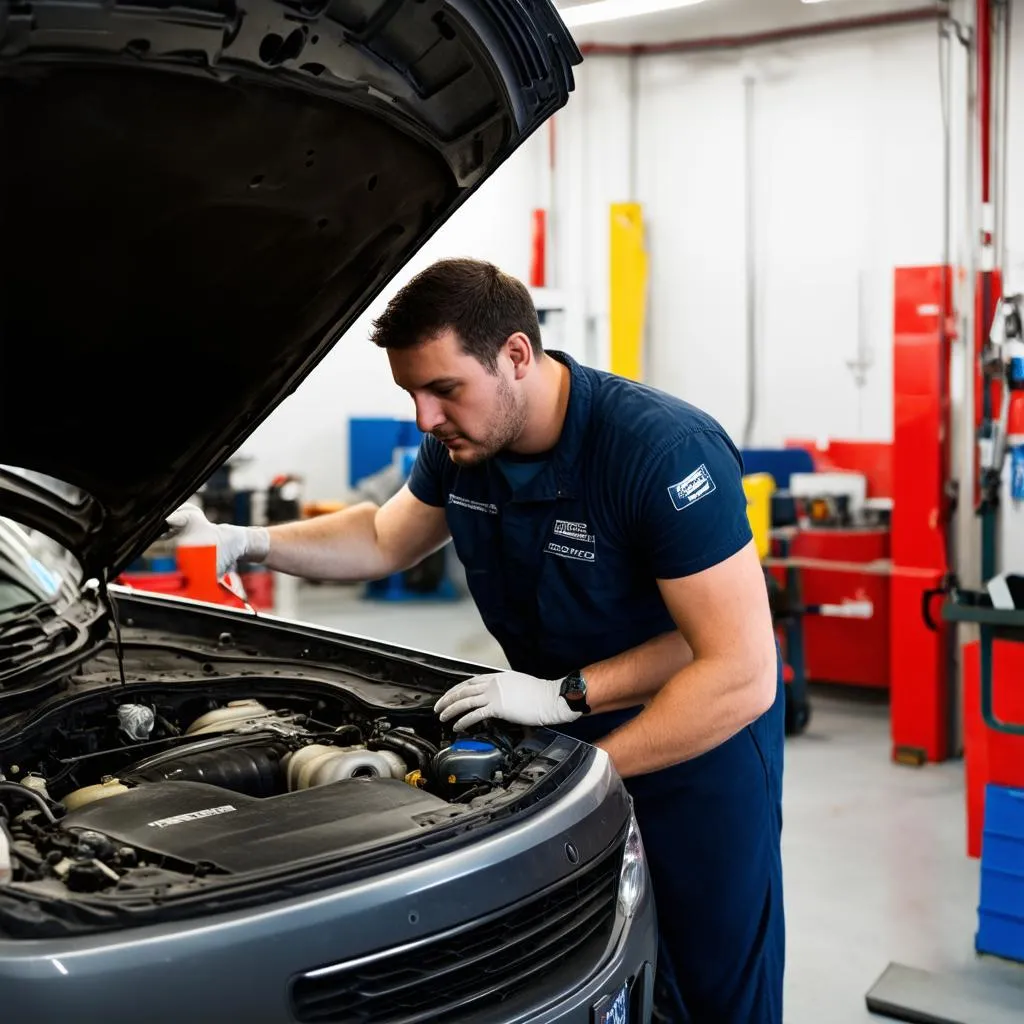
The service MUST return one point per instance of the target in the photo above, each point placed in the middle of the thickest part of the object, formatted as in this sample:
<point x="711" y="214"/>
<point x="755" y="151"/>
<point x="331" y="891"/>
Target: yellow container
<point x="759" y="488"/>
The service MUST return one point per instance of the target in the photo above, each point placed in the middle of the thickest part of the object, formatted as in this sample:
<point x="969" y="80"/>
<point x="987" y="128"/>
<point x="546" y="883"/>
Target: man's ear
<point x="520" y="352"/>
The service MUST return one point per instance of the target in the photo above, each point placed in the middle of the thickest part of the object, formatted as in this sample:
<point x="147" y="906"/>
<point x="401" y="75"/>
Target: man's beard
<point x="505" y="428"/>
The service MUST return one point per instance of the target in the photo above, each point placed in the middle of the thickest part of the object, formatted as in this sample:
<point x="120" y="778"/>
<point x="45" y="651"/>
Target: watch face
<point x="574" y="690"/>
<point x="575" y="687"/>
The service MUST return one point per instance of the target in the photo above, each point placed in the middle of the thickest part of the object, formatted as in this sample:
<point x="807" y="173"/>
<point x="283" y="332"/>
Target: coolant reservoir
<point x="90" y="794"/>
<point x="238" y="712"/>
<point x="37" y="784"/>
<point x="464" y="765"/>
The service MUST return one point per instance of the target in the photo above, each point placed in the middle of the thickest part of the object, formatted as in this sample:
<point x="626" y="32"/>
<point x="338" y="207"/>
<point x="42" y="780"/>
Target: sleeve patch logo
<point x="696" y="486"/>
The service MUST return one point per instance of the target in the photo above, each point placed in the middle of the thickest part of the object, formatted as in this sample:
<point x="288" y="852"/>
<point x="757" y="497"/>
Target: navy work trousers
<point x="712" y="839"/>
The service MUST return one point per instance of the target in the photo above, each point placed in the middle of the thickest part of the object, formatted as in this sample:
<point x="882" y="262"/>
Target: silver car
<point x="208" y="815"/>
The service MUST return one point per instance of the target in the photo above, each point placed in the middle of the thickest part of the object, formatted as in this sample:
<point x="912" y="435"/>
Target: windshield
<point x="34" y="571"/>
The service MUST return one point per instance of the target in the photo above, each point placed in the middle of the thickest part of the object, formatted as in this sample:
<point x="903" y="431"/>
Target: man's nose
<point x="428" y="414"/>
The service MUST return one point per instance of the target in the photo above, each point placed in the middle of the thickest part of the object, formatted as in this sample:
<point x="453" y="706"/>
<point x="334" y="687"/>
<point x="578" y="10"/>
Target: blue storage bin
<point x="781" y="463"/>
<point x="1001" y="907"/>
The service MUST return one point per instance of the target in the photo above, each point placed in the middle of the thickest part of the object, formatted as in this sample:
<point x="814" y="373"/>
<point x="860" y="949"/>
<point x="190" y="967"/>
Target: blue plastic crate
<point x="1001" y="907"/>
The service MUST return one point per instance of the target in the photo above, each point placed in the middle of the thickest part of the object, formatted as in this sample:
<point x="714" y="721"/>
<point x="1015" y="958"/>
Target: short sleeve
<point x="692" y="510"/>
<point x="427" y="479"/>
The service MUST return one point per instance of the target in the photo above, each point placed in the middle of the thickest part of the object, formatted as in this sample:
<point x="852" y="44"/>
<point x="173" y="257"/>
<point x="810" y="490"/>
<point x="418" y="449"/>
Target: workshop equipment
<point x="827" y="574"/>
<point x="382" y="452"/>
<point x="1003" y="439"/>
<point x="994" y="665"/>
<point x="830" y="521"/>
<point x="909" y="563"/>
<point x="840" y="577"/>
<point x="828" y="499"/>
<point x="923" y="699"/>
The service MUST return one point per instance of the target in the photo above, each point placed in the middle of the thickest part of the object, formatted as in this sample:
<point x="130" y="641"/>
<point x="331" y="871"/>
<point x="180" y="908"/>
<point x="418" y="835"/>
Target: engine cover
<point x="193" y="821"/>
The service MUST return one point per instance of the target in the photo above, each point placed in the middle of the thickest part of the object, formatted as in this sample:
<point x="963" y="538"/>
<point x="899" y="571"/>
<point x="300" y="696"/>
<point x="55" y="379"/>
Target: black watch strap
<point x="574" y="692"/>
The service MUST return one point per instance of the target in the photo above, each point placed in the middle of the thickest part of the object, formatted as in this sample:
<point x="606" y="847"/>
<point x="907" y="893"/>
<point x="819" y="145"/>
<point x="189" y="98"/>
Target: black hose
<point x="416" y="740"/>
<point x="343" y="730"/>
<point x="16" y="789"/>
<point x="470" y="794"/>
<point x="400" y="744"/>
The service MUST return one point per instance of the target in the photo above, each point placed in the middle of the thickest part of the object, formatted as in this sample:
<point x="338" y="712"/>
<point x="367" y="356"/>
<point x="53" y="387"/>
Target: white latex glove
<point x="6" y="867"/>
<point x="189" y="526"/>
<point x="510" y="696"/>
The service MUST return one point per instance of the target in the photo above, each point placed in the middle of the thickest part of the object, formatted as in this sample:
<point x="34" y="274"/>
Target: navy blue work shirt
<point x="563" y="561"/>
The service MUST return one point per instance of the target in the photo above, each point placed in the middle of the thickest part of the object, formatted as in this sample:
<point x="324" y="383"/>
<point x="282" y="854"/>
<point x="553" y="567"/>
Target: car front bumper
<point x="632" y="963"/>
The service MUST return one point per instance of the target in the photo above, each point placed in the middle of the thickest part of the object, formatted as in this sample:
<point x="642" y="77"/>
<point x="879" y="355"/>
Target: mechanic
<point x="603" y="529"/>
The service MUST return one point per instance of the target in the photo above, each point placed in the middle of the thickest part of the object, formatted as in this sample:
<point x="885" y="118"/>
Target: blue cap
<point x="477" y="745"/>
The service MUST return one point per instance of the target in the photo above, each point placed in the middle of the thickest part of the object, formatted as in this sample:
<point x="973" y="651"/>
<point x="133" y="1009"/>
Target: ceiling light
<point x="610" y="10"/>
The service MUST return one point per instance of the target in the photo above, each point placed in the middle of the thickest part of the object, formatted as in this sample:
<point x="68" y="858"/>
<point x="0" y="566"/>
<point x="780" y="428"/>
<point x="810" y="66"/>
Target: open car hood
<point x="196" y="201"/>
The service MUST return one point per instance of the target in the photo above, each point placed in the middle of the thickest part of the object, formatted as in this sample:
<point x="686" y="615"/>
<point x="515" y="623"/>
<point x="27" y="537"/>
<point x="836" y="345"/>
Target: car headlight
<point x="633" y="877"/>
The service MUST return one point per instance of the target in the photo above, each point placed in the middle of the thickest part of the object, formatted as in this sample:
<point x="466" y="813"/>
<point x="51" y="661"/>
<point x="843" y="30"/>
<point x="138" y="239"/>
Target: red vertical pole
<point x="919" y="676"/>
<point x="984" y="19"/>
<point x="538" y="249"/>
<point x="987" y="297"/>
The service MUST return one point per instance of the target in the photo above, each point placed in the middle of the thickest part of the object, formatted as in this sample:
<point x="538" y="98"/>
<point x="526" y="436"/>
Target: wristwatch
<point x="574" y="691"/>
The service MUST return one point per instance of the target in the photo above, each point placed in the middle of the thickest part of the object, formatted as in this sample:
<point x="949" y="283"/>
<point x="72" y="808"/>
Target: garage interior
<point x="807" y="218"/>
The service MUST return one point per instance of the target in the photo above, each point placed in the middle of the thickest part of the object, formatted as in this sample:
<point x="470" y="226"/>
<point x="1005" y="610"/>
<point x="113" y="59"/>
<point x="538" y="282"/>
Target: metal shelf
<point x="1010" y="619"/>
<point x="995" y="624"/>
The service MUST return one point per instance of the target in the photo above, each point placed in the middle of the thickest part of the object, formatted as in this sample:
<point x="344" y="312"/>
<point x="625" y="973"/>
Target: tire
<point x="798" y="714"/>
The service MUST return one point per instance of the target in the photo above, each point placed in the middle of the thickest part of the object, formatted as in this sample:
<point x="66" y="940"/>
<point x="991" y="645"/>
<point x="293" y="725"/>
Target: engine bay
<point x="172" y="790"/>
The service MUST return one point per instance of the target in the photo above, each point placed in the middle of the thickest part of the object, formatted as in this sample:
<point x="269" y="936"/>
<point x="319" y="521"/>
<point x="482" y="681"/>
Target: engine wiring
<point x="16" y="789"/>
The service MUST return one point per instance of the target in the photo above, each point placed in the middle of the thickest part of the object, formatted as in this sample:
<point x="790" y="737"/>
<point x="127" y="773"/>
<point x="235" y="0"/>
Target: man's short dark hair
<point x="481" y="304"/>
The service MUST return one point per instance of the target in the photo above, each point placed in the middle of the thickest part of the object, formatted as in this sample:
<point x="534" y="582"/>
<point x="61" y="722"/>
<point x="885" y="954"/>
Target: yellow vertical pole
<point x="628" y="290"/>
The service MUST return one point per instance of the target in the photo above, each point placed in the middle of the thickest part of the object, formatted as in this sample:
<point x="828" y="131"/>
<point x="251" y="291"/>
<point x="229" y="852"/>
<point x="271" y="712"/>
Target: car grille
<point x="477" y="967"/>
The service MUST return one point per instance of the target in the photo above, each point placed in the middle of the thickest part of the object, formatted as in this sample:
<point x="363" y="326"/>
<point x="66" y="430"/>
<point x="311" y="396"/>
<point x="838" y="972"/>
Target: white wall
<point x="1015" y="156"/>
<point x="848" y="163"/>
<point x="848" y="145"/>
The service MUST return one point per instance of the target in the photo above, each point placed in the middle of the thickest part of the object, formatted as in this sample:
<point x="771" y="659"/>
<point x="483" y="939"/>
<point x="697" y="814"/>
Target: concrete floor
<point x="874" y="852"/>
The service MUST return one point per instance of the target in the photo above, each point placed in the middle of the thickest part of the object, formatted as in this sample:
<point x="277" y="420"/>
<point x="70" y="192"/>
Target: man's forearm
<point x="339" y="546"/>
<point x="702" y="706"/>
<point x="363" y="542"/>
<point x="634" y="676"/>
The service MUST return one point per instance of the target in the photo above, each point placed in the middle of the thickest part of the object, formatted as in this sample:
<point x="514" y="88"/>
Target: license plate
<point x="613" y="1009"/>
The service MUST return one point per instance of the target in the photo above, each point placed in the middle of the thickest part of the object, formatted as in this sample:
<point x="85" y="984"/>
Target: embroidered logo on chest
<point x="572" y="540"/>
<point x="574" y="531"/>
<point x="472" y="506"/>
<point x="689" y="491"/>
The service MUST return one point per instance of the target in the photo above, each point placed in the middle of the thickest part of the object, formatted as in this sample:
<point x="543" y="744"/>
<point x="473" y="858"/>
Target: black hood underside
<point x="188" y="228"/>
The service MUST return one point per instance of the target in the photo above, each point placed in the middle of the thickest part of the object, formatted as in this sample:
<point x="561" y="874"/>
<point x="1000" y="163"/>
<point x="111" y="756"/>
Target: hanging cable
<point x="118" y="643"/>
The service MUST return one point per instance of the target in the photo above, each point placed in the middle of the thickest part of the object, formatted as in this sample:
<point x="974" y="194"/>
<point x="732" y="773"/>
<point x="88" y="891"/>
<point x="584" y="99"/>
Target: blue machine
<point x="375" y="443"/>
<point x="372" y="442"/>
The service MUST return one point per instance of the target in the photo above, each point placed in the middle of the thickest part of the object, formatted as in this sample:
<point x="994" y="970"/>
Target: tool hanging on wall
<point x="1003" y="361"/>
